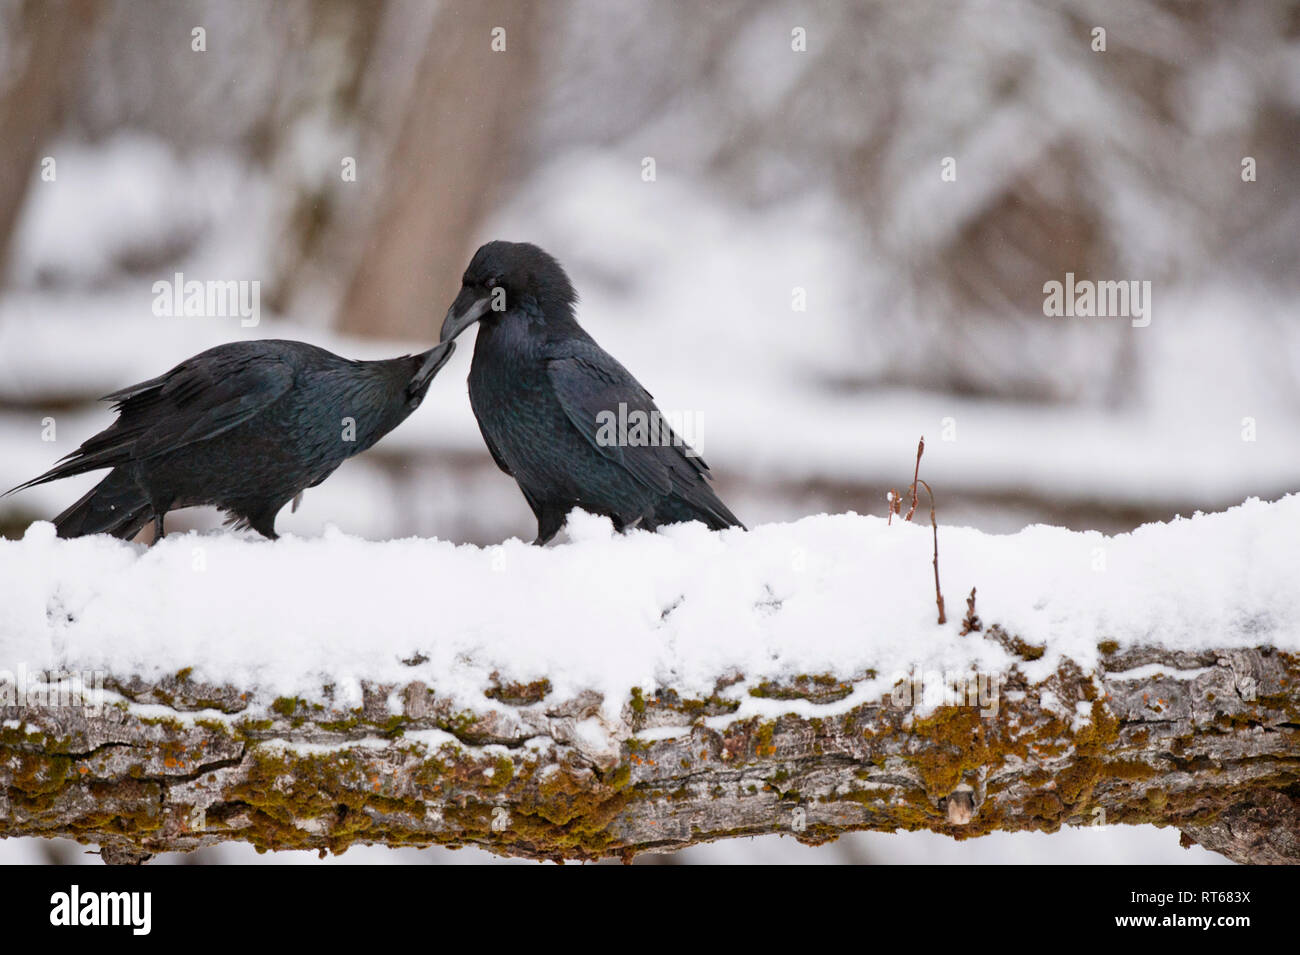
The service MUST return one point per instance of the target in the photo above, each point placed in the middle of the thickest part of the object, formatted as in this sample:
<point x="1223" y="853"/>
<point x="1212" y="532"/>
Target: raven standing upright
<point x="544" y="393"/>
<point x="244" y="426"/>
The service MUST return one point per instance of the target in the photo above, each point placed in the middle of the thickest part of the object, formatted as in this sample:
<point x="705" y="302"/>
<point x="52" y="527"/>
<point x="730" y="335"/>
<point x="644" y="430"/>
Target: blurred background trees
<point x="776" y="169"/>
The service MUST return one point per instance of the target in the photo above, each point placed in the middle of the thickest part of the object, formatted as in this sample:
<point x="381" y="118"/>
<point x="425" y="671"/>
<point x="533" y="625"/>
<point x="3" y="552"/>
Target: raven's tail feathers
<point x="104" y="450"/>
<point x="706" y="507"/>
<point x="115" y="505"/>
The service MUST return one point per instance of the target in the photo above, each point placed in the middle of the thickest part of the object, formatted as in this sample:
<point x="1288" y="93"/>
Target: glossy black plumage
<point x="245" y="426"/>
<point x="539" y="385"/>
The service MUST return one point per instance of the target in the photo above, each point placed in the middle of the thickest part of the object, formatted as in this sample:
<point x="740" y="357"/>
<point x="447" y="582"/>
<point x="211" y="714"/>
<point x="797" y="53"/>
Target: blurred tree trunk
<point x="458" y="139"/>
<point x="47" y="49"/>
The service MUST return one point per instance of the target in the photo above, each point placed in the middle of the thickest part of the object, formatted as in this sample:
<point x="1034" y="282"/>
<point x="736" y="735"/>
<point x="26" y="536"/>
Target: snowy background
<point x="776" y="170"/>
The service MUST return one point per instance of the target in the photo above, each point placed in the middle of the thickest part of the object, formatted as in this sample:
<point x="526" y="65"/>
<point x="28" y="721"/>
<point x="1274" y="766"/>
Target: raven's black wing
<point x="591" y="385"/>
<point x="198" y="399"/>
<point x="492" y="449"/>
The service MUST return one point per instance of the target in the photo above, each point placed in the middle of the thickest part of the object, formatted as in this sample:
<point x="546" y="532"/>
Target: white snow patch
<point x="657" y="734"/>
<point x="828" y="594"/>
<point x="431" y="739"/>
<point x="1151" y="670"/>
<point x="322" y="749"/>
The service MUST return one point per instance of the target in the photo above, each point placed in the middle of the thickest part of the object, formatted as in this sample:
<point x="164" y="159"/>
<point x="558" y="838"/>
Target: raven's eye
<point x="492" y="281"/>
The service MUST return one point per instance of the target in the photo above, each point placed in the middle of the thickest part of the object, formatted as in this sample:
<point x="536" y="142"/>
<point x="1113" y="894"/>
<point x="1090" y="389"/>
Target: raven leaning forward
<point x="542" y="389"/>
<point x="245" y="426"/>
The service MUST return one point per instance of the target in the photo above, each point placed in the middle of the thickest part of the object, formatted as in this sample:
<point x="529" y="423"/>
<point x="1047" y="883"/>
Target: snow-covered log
<point x="614" y="695"/>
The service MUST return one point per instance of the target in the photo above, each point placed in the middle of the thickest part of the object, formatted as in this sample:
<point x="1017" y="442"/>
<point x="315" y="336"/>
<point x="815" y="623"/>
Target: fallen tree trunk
<point x="1206" y="741"/>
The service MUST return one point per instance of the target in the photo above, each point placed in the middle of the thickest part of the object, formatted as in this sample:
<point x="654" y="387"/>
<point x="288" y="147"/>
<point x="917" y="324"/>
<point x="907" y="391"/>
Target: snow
<point x="128" y="196"/>
<point x="839" y="594"/>
<point x="1153" y="670"/>
<point x="322" y="749"/>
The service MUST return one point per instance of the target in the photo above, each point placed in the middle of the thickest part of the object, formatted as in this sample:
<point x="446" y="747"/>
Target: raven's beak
<point x="434" y="359"/>
<point x="468" y="308"/>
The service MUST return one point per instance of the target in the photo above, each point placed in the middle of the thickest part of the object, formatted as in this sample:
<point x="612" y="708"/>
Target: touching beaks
<point x="438" y="356"/>
<point x="434" y="359"/>
<point x="469" y="307"/>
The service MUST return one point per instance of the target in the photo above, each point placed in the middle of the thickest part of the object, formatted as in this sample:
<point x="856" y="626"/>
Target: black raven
<point x="546" y="397"/>
<point x="244" y="426"/>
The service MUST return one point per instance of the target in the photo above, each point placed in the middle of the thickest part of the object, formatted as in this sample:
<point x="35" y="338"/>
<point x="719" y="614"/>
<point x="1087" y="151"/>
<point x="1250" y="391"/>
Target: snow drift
<point x="843" y="594"/>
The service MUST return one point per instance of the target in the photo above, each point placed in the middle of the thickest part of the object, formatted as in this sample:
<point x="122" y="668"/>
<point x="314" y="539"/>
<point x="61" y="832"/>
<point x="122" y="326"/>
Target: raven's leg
<point x="550" y="518"/>
<point x="158" y="532"/>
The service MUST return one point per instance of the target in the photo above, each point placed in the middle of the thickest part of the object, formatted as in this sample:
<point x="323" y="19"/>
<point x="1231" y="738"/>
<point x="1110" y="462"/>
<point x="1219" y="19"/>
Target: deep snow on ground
<point x="680" y="608"/>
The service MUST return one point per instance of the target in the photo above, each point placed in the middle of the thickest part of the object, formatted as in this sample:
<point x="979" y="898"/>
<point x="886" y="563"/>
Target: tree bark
<point x="468" y="110"/>
<point x="1204" y="741"/>
<point x="53" y="38"/>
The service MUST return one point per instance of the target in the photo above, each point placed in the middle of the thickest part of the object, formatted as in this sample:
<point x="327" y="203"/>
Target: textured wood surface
<point x="1207" y="742"/>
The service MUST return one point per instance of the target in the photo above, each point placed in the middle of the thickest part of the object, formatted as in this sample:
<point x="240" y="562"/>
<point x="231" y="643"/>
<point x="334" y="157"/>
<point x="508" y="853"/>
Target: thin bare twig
<point x="920" y="449"/>
<point x="938" y="593"/>
<point x="971" y="623"/>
